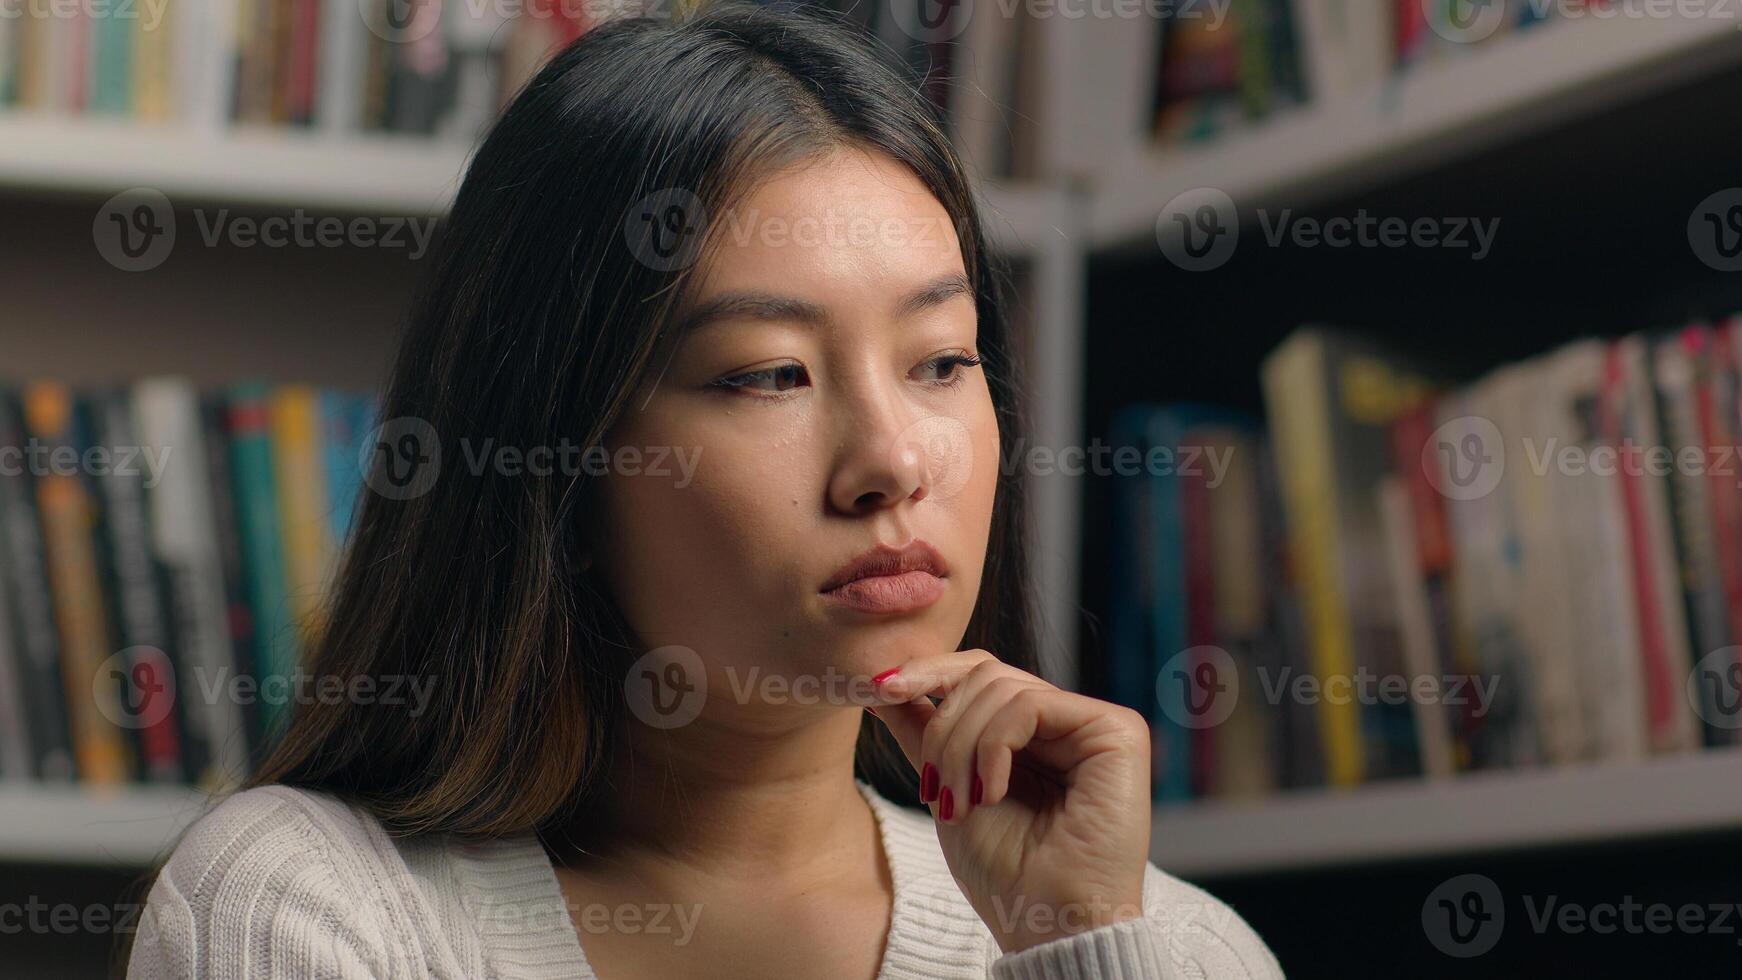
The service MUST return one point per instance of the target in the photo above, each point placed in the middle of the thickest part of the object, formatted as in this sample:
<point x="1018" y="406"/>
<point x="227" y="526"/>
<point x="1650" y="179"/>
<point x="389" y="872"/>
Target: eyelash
<point x="742" y="381"/>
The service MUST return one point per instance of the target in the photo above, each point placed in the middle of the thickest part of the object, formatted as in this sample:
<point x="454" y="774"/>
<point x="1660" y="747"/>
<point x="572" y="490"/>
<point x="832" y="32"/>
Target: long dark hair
<point x="538" y="321"/>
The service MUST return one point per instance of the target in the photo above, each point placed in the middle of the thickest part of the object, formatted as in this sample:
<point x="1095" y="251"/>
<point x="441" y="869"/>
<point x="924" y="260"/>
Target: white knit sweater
<point x="280" y="882"/>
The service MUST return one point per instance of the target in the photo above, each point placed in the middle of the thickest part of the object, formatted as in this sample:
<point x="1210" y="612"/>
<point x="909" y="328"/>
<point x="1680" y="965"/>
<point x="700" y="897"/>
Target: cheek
<point x="709" y="557"/>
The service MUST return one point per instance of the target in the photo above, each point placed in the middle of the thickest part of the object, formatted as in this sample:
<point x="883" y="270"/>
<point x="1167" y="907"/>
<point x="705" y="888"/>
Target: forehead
<point x="851" y="221"/>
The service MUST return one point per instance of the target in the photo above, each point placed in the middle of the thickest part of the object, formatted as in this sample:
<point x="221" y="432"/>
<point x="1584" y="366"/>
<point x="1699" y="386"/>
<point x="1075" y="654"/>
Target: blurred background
<point x="1384" y="400"/>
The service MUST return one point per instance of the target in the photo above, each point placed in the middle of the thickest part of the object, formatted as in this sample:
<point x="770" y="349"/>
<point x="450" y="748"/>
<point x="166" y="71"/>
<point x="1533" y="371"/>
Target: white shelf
<point x="1690" y="793"/>
<point x="1700" y="791"/>
<point x="128" y="826"/>
<point x="1516" y="84"/>
<point x="397" y="174"/>
<point x="288" y="168"/>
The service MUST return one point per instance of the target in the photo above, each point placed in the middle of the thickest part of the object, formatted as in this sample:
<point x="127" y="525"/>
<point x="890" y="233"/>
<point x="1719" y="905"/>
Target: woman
<point x="671" y="678"/>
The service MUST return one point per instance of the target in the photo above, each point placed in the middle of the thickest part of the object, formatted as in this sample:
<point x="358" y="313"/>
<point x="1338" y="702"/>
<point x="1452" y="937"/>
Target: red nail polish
<point x="946" y="804"/>
<point x="928" y="783"/>
<point x="977" y="792"/>
<point x="880" y="678"/>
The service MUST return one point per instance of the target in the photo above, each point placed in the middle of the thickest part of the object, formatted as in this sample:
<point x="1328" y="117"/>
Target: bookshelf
<point x="384" y="174"/>
<point x="1100" y="191"/>
<point x="64" y="825"/>
<point x="1553" y="72"/>
<point x="1488" y="811"/>
<point x="1389" y="821"/>
<point x="269" y="167"/>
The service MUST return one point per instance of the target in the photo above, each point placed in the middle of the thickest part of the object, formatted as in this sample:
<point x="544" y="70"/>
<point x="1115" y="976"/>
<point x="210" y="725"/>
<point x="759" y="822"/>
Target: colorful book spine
<point x="274" y="653"/>
<point x="134" y="584"/>
<point x="184" y="536"/>
<point x="299" y="478"/>
<point x="31" y="608"/>
<point x="68" y="513"/>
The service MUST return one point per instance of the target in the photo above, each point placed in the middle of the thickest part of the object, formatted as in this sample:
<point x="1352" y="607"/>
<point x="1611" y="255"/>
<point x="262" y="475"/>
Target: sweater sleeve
<point x="254" y="890"/>
<point x="1183" y="934"/>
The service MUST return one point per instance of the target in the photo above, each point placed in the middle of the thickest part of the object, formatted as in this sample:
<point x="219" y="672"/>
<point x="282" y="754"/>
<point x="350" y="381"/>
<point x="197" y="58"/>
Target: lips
<point x="885" y="579"/>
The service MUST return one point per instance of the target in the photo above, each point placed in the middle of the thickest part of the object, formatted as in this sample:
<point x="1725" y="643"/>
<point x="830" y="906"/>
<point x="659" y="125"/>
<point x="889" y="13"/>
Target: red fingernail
<point x="880" y="678"/>
<point x="946" y="804"/>
<point x="928" y="783"/>
<point x="977" y="792"/>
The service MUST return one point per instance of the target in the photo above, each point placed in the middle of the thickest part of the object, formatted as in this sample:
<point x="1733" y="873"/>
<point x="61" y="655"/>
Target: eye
<point x="949" y="369"/>
<point x="773" y="380"/>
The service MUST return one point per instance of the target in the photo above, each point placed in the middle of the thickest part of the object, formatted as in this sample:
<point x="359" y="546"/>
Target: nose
<point x="880" y="461"/>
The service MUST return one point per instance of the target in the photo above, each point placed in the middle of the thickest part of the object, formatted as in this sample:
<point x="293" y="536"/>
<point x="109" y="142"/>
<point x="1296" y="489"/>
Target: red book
<point x="1617" y="429"/>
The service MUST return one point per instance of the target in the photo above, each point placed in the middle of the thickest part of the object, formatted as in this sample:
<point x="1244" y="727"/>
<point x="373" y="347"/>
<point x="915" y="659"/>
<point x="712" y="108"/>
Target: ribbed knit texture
<point x="280" y="882"/>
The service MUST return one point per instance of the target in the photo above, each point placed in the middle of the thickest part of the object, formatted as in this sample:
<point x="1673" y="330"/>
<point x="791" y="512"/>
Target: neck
<point x="735" y="795"/>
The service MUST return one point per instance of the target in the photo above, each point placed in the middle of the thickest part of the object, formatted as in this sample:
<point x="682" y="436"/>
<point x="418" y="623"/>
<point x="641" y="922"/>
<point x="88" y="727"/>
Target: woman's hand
<point x="1041" y="795"/>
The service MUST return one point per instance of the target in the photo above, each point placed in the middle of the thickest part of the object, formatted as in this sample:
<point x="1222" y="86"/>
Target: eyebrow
<point x="757" y="305"/>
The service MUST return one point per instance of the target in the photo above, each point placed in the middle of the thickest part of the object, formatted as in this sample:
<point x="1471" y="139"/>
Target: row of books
<point x="1406" y="579"/>
<point x="445" y="68"/>
<point x="1226" y="64"/>
<point x="163" y="554"/>
<point x="428" y="66"/>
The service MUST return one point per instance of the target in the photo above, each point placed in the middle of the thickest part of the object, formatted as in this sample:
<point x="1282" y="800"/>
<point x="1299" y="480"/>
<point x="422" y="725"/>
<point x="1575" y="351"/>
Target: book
<point x="93" y="694"/>
<point x="1331" y="401"/>
<point x="30" y="609"/>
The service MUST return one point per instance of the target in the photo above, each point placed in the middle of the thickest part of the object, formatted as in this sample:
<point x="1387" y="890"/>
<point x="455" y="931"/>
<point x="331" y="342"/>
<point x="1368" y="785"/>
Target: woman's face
<point x="822" y="396"/>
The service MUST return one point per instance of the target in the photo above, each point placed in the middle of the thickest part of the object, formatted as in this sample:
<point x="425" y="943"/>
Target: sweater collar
<point x="933" y="931"/>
